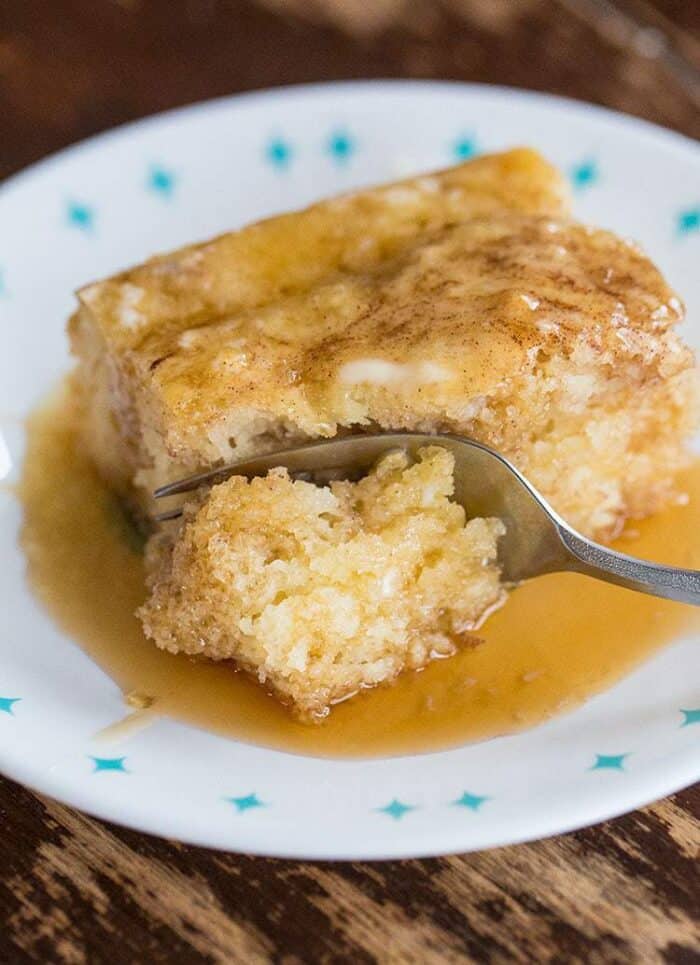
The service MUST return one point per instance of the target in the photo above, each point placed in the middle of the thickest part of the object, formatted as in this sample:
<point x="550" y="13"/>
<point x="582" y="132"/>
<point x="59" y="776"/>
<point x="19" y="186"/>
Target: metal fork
<point x="536" y="541"/>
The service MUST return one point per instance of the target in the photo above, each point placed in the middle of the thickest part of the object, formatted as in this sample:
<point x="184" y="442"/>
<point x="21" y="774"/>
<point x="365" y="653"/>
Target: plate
<point x="197" y="172"/>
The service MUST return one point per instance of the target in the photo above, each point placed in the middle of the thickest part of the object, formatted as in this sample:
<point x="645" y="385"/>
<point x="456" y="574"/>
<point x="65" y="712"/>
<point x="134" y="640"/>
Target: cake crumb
<point x="138" y="701"/>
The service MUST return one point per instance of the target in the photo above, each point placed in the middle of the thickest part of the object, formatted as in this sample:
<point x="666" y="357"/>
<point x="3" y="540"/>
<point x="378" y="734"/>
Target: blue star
<point x="341" y="146"/>
<point x="464" y="147"/>
<point x="6" y="704"/>
<point x="471" y="801"/>
<point x="689" y="220"/>
<point x="80" y="216"/>
<point x="246" y="803"/>
<point x="584" y="174"/>
<point x="611" y="762"/>
<point x="109" y="764"/>
<point x="161" y="181"/>
<point x="396" y="809"/>
<point x="279" y="153"/>
<point x="690" y="717"/>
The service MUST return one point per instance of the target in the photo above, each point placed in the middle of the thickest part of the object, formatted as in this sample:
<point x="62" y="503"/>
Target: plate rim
<point x="665" y="136"/>
<point x="640" y="789"/>
<point x="405" y="847"/>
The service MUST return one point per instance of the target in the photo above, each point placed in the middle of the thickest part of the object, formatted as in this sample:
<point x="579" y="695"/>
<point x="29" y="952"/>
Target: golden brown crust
<point x="454" y="316"/>
<point x="290" y="253"/>
<point x="465" y="301"/>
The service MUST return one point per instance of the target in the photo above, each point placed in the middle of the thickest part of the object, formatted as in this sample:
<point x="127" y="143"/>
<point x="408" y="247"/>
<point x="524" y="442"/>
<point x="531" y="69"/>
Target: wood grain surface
<point x="77" y="890"/>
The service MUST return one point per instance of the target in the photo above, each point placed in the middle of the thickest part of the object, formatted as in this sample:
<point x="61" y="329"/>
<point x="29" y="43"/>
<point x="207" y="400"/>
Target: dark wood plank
<point x="77" y="890"/>
<point x="678" y="14"/>
<point x="74" y="67"/>
<point x="653" y="30"/>
<point x="625" y="891"/>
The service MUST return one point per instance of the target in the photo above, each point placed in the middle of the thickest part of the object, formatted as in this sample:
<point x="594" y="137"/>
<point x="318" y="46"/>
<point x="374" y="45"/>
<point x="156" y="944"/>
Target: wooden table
<point x="77" y="890"/>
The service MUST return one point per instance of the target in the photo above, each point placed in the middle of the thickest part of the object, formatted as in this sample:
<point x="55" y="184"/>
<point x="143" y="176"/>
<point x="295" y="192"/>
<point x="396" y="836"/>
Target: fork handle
<point x="595" y="560"/>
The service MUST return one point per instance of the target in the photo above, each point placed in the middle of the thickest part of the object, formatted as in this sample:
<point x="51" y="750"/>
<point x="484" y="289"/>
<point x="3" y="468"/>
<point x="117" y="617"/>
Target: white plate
<point x="197" y="172"/>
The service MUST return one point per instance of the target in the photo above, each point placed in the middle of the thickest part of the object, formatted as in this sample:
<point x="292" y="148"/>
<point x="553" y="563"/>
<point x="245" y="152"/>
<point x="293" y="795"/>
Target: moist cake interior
<point x="322" y="591"/>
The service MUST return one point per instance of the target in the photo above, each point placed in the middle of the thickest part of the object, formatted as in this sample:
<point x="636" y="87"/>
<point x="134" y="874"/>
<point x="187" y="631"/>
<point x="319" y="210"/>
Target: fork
<point x="536" y="539"/>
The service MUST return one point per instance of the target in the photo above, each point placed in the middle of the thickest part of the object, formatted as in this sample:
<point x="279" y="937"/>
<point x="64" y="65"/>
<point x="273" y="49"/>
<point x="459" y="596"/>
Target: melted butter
<point x="380" y="372"/>
<point x="557" y="641"/>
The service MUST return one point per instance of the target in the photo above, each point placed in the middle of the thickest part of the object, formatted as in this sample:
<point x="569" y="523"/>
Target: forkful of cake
<point x="535" y="540"/>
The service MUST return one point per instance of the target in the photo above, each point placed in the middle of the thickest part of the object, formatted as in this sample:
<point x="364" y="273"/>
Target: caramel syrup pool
<point x="557" y="640"/>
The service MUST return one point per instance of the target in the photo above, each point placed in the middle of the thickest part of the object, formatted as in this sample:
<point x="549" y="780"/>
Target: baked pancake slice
<point x="465" y="301"/>
<point x="136" y="333"/>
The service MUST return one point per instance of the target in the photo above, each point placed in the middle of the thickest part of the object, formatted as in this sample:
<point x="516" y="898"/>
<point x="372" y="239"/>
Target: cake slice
<point x="464" y="301"/>
<point x="133" y="332"/>
<point x="322" y="591"/>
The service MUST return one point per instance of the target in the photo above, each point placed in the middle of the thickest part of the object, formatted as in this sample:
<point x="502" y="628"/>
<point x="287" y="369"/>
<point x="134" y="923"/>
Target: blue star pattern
<point x="161" y="181"/>
<point x="584" y="174"/>
<point x="109" y="764"/>
<point x="246" y="803"/>
<point x="464" y="147"/>
<point x="341" y="146"/>
<point x="690" y="717"/>
<point x="689" y="220"/>
<point x="396" y="810"/>
<point x="471" y="801"/>
<point x="80" y="216"/>
<point x="609" y="762"/>
<point x="279" y="153"/>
